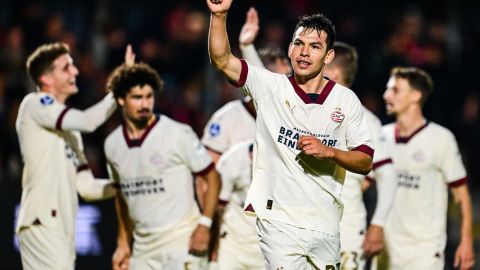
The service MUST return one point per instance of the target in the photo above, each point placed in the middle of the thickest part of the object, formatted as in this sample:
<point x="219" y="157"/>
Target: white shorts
<point x="351" y="250"/>
<point x="167" y="251"/>
<point x="233" y="256"/>
<point x="46" y="248"/>
<point x="286" y="246"/>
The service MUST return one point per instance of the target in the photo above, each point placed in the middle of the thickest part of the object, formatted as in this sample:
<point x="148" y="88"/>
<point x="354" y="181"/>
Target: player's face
<point x="62" y="78"/>
<point x="308" y="52"/>
<point x="333" y="72"/>
<point x="281" y="65"/>
<point x="399" y="96"/>
<point x="138" y="104"/>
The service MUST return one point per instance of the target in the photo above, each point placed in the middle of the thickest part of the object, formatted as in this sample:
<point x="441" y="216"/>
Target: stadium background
<point x="442" y="37"/>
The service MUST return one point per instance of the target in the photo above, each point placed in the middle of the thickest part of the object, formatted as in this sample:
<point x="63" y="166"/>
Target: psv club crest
<point x="337" y="115"/>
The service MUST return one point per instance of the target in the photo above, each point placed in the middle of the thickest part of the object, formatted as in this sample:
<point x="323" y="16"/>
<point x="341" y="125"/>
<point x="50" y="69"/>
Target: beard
<point x="142" y="121"/>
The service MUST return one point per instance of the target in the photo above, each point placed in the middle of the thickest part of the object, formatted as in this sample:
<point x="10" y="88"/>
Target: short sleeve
<point x="258" y="82"/>
<point x="451" y="162"/>
<point x="358" y="132"/>
<point x="216" y="134"/>
<point x="192" y="151"/>
<point x="47" y="112"/>
<point x="228" y="175"/>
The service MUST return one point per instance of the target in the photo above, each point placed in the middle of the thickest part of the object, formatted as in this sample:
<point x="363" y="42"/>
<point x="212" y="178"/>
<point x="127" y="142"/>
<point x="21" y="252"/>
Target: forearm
<point x="463" y="200"/>
<point x="251" y="55"/>
<point x="386" y="188"/>
<point x="91" y="189"/>
<point x="91" y="118"/>
<point x="218" y="44"/>
<point x="353" y="161"/>
<point x="211" y="196"/>
<point x="124" y="234"/>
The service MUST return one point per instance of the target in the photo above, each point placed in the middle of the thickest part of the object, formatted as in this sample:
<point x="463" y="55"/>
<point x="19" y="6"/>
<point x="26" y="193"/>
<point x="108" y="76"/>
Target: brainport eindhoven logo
<point x="337" y="116"/>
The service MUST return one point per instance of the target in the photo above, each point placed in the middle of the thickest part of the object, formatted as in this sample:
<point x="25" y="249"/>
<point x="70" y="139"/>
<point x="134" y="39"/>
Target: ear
<point x="45" y="80"/>
<point x="416" y="95"/>
<point x="290" y="47"/>
<point x="329" y="57"/>
<point x="121" y="101"/>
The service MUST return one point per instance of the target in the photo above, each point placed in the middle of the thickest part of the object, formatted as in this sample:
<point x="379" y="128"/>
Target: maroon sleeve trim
<point x="82" y="167"/>
<point x="243" y="75"/>
<point x="213" y="150"/>
<point x="206" y="170"/>
<point x="365" y="149"/>
<point x="222" y="202"/>
<point x="379" y="164"/>
<point x="370" y="179"/>
<point x="58" y="125"/>
<point x="457" y="183"/>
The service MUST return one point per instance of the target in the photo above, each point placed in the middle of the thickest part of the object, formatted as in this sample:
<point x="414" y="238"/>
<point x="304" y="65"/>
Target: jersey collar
<point x="138" y="142"/>
<point x="306" y="99"/>
<point x="406" y="139"/>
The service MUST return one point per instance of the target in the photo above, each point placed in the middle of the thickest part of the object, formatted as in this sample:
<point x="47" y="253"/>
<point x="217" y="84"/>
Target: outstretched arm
<point x="221" y="56"/>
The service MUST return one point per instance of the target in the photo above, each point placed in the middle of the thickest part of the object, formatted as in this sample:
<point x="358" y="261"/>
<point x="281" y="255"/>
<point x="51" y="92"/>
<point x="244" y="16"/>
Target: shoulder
<point x="440" y="131"/>
<point x="38" y="100"/>
<point x="372" y="119"/>
<point x="228" y="109"/>
<point x="174" y="127"/>
<point x="112" y="139"/>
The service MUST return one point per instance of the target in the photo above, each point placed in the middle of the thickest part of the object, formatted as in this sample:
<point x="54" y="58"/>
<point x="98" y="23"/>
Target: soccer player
<point x="234" y="123"/>
<point x="356" y="242"/>
<point x="52" y="151"/>
<point x="152" y="157"/>
<point x="309" y="130"/>
<point x="239" y="245"/>
<point x="428" y="163"/>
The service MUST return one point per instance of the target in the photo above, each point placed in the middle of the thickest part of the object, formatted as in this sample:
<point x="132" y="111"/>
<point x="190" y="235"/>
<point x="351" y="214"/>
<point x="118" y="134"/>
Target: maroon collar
<point x="406" y="139"/>
<point x="304" y="96"/>
<point x="138" y="142"/>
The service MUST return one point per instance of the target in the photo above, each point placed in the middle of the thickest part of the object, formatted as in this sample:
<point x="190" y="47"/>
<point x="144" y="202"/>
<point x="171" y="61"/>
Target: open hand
<point x="250" y="28"/>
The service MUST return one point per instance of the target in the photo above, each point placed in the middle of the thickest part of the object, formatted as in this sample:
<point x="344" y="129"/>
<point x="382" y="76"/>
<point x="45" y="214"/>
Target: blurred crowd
<point x="438" y="36"/>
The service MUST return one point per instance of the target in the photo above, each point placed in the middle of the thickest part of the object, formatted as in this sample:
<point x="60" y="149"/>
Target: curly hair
<point x="125" y="77"/>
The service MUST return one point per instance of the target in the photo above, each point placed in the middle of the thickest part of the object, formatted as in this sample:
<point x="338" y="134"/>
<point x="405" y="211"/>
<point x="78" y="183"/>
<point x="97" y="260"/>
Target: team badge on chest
<point x="156" y="159"/>
<point x="337" y="115"/>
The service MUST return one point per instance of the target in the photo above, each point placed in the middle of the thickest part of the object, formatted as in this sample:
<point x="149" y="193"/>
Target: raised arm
<point x="247" y="37"/>
<point x="221" y="56"/>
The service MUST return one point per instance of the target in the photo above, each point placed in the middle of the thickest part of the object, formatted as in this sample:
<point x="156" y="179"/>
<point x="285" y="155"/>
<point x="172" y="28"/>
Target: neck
<point x="410" y="121"/>
<point x="136" y="129"/>
<point x="312" y="85"/>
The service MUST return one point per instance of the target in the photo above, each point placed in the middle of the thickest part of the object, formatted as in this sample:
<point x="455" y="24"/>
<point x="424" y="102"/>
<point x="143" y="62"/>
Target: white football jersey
<point x="427" y="163"/>
<point x="155" y="173"/>
<point x="230" y="124"/>
<point x="51" y="157"/>
<point x="235" y="169"/>
<point x="354" y="219"/>
<point x="289" y="186"/>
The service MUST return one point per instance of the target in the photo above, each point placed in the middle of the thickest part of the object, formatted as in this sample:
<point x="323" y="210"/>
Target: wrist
<point x="220" y="13"/>
<point x="205" y="221"/>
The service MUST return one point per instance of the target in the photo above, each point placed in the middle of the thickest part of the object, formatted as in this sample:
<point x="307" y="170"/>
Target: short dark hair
<point x="346" y="58"/>
<point x="41" y="60"/>
<point x="125" y="77"/>
<point x="417" y="78"/>
<point x="269" y="55"/>
<point x="318" y="22"/>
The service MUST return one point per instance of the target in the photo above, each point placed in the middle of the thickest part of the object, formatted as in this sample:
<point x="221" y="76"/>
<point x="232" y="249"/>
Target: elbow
<point x="366" y="166"/>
